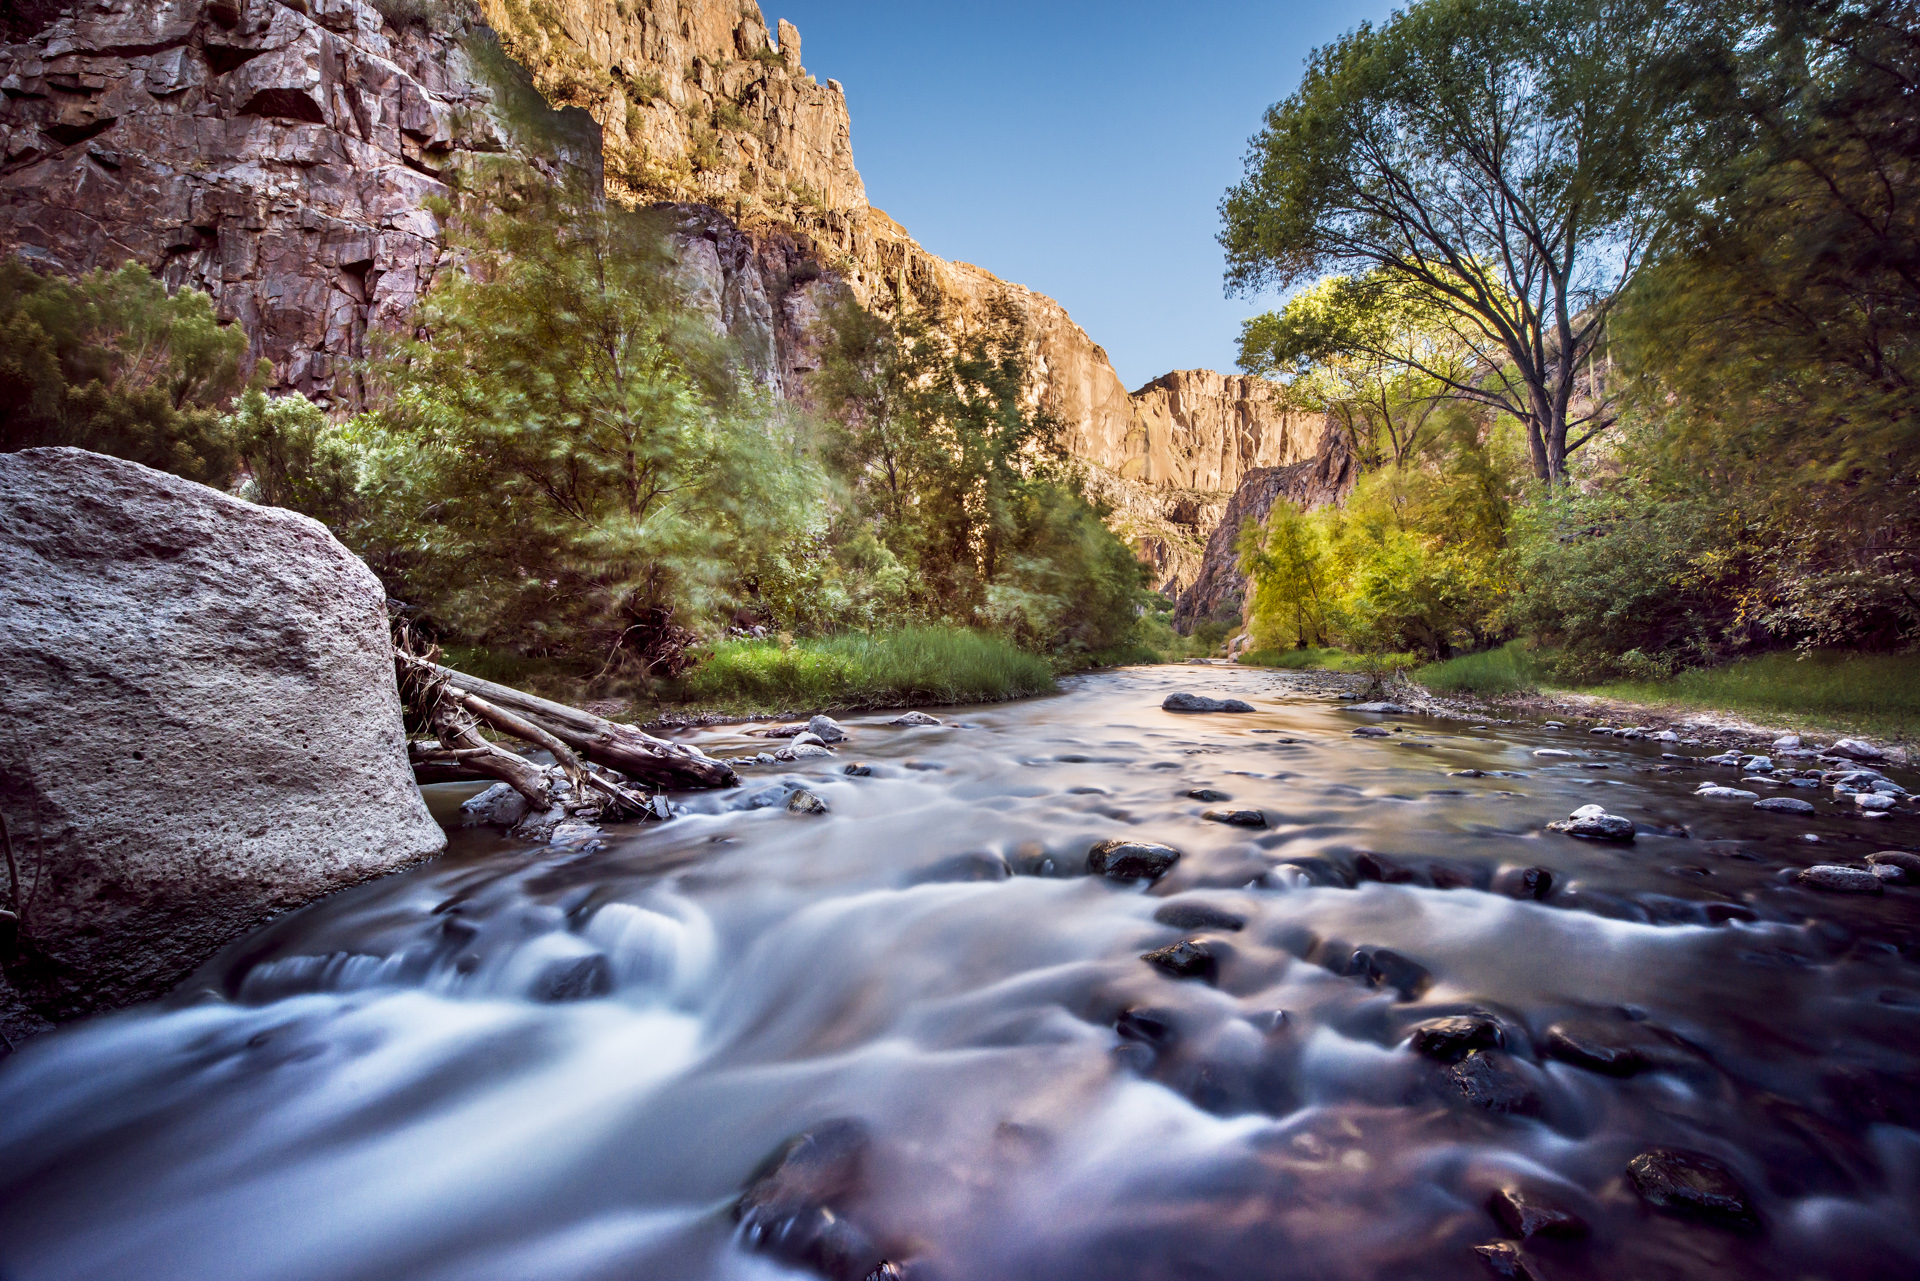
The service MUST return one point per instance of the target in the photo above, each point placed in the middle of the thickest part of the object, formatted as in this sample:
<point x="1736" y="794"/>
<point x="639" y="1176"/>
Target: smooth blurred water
<point x="563" y="1065"/>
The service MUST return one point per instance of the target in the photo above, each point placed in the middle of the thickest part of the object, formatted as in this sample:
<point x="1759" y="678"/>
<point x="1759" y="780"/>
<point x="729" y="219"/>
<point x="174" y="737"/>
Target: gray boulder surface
<point x="198" y="726"/>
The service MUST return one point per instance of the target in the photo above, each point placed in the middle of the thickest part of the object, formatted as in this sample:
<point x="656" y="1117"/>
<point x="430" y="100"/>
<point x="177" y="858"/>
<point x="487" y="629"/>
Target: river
<point x="565" y="1064"/>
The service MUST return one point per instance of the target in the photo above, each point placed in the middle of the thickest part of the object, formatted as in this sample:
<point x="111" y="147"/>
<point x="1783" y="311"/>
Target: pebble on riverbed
<point x="1123" y="860"/>
<point x="1839" y="880"/>
<point x="1187" y="959"/>
<point x="1693" y="1186"/>
<point x="1524" y="1215"/>
<point x="1185" y="702"/>
<point x="1784" y="805"/>
<point x="1490" y="1080"/>
<point x="1714" y="792"/>
<point x="1450" y="1039"/>
<point x="1236" y="818"/>
<point x="1372" y="731"/>
<point x="914" y="718"/>
<point x="804" y="802"/>
<point x="1207" y="794"/>
<point x="1592" y="823"/>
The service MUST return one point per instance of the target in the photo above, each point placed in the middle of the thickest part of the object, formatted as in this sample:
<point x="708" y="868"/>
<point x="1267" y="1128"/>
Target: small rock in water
<point x="1784" y="805"/>
<point x="1873" y="802"/>
<point x="1691" y="1185"/>
<point x="1506" y="1260"/>
<point x="914" y="718"/>
<point x="1184" y="702"/>
<point x="827" y="729"/>
<point x="1385" y="709"/>
<point x="1207" y="794"/>
<point x="1855" y="749"/>
<point x="1615" y="1049"/>
<point x="858" y="769"/>
<point x="1123" y="860"/>
<point x="804" y="802"/>
<point x="1372" y="731"/>
<point x="1714" y="792"/>
<point x="1466" y="773"/>
<point x="580" y="978"/>
<point x="498" y="806"/>
<point x="802" y="751"/>
<point x="1551" y="751"/>
<point x="1786" y="742"/>
<point x="795" y="1211"/>
<point x="1386" y="869"/>
<point x="1524" y="1215"/>
<point x="1451" y="1039"/>
<point x="1236" y="818"/>
<point x="1147" y="1026"/>
<point x="1186" y="959"/>
<point x="1524" y="882"/>
<point x="1838" y="879"/>
<point x="1889" y="873"/>
<point x="1381" y="967"/>
<point x="1908" y="863"/>
<point x="806" y="736"/>
<point x="1666" y="736"/>
<point x="784" y="731"/>
<point x="1491" y="1080"/>
<point x="1592" y="823"/>
<point x="1198" y="916"/>
<point x="975" y="865"/>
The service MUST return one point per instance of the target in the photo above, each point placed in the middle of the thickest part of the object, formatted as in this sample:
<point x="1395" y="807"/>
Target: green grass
<point x="1868" y="693"/>
<point x="1329" y="660"/>
<point x="911" y="667"/>
<point x="1507" y="670"/>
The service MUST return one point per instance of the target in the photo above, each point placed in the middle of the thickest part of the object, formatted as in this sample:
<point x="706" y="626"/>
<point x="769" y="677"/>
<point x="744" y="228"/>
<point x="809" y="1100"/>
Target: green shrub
<point x="910" y="667"/>
<point x="1332" y="660"/>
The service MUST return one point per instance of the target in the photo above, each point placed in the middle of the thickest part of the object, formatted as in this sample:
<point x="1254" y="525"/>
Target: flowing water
<point x="565" y="1065"/>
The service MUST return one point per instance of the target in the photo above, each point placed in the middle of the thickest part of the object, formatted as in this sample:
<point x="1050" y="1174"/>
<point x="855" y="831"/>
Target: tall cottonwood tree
<point x="1501" y="159"/>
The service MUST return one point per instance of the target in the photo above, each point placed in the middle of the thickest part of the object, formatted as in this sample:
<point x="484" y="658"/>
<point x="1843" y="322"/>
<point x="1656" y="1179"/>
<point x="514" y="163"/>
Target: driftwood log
<point x="633" y="752"/>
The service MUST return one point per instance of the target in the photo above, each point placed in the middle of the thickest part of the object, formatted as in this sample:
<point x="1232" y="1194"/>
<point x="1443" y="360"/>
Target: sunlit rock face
<point x="278" y="156"/>
<point x="282" y="156"/>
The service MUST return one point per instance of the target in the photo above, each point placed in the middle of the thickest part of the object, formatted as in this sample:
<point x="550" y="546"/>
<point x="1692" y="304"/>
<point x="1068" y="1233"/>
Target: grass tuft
<point x="1871" y="693"/>
<point x="1507" y="670"/>
<point x="910" y="667"/>
<point x="1329" y="660"/>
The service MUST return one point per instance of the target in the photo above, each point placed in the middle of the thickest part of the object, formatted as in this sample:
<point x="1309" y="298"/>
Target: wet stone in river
<point x="1524" y="1214"/>
<point x="1185" y="702"/>
<point x="1123" y="860"/>
<point x="1450" y="1039"/>
<point x="1236" y="818"/>
<point x="1692" y="1186"/>
<point x="1836" y="879"/>
<point x="1207" y="794"/>
<point x="1492" y="1080"/>
<point x="1198" y="916"/>
<point x="1187" y="959"/>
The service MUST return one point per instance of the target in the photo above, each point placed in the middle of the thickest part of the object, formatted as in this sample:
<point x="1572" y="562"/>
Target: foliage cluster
<point x="904" y="667"/>
<point x="1720" y="303"/>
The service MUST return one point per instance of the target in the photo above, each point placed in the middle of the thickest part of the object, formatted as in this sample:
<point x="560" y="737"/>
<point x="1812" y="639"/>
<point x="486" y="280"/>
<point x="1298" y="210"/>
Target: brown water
<point x="390" y="1086"/>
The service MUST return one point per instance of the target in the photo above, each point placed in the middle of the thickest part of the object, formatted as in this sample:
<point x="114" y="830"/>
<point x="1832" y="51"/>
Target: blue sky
<point x="1078" y="149"/>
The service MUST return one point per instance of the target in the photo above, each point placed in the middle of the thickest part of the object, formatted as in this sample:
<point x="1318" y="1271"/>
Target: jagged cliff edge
<point x="279" y="154"/>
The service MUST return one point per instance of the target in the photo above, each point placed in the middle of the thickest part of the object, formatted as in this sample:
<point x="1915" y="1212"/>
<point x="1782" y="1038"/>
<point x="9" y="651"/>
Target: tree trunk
<point x="631" y="751"/>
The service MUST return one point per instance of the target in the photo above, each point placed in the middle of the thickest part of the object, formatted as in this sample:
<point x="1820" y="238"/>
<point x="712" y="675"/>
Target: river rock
<point x="1855" y="749"/>
<point x="1187" y="959"/>
<point x="1372" y="731"/>
<point x="804" y="802"/>
<point x="198" y="725"/>
<point x="1552" y="751"/>
<point x="827" y="729"/>
<point x="1534" y="883"/>
<point x="796" y="1210"/>
<point x="1693" y="1186"/>
<point x="858" y="769"/>
<point x="1839" y="880"/>
<point x="1236" y="818"/>
<point x="1490" y="1080"/>
<point x="1592" y="823"/>
<point x="807" y="738"/>
<point x="1610" y="1047"/>
<point x="1786" y="742"/>
<point x="1784" y="805"/>
<point x="1383" y="967"/>
<point x="914" y="718"/>
<point x="498" y="806"/>
<point x="1507" y="1260"/>
<point x="1385" y="709"/>
<point x="1873" y="802"/>
<point x="1450" y="1039"/>
<point x="1207" y="794"/>
<point x="1123" y="860"/>
<point x="1714" y="792"/>
<point x="1524" y="1214"/>
<point x="1185" y="702"/>
<point x="1198" y="916"/>
<point x="1906" y="862"/>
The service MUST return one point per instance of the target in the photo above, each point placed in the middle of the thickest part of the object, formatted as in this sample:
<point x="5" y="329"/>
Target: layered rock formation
<point x="283" y="155"/>
<point x="1219" y="588"/>
<point x="198" y="727"/>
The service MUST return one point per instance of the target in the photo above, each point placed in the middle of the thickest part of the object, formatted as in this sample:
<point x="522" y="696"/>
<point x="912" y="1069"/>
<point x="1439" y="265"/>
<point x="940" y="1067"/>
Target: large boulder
<point x="198" y="727"/>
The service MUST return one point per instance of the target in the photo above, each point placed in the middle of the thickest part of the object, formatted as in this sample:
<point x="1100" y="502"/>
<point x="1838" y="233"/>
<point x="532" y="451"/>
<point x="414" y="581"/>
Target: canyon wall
<point x="284" y="157"/>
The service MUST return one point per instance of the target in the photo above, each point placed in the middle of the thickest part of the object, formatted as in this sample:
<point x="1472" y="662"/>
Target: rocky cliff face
<point x="281" y="155"/>
<point x="1218" y="588"/>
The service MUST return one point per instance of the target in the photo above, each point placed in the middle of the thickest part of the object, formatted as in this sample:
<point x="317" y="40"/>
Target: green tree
<point x="1285" y="562"/>
<point x="114" y="363"/>
<point x="597" y="477"/>
<point x="1503" y="161"/>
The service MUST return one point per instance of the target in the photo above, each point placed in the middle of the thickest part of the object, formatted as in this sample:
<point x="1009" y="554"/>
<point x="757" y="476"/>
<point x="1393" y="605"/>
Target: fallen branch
<point x="631" y="751"/>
